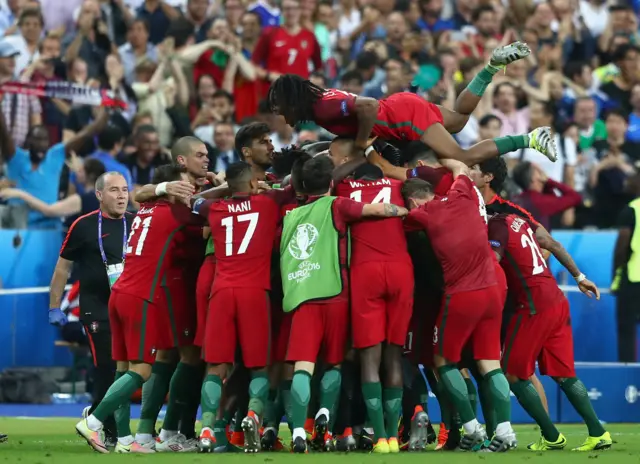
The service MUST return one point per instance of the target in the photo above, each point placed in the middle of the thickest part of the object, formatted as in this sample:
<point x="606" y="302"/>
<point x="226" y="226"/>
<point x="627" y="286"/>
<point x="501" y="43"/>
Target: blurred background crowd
<point x="202" y="67"/>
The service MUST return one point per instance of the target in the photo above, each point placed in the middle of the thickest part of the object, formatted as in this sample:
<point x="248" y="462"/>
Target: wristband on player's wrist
<point x="580" y="278"/>
<point x="161" y="189"/>
<point x="368" y="150"/>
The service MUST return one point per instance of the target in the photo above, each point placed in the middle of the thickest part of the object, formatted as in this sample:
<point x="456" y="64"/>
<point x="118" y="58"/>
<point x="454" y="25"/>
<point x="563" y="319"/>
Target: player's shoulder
<point x="86" y="220"/>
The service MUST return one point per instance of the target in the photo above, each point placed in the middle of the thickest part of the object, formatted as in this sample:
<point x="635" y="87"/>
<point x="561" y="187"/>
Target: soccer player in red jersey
<point x="381" y="297"/>
<point x="135" y="308"/>
<point x="322" y="322"/>
<point x="541" y="328"/>
<point x="181" y="329"/>
<point x="402" y="116"/>
<point x="459" y="239"/>
<point x="243" y="229"/>
<point x="287" y="49"/>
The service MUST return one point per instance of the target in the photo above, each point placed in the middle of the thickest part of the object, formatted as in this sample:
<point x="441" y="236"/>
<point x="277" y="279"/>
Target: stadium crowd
<point x="213" y="82"/>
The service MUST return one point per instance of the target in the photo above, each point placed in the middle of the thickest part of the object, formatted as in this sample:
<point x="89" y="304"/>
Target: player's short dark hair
<point x="317" y="174"/>
<point x="522" y="174"/>
<point x="283" y="161"/>
<point x="619" y="7"/>
<point x="221" y="93"/>
<point x="93" y="168"/>
<point x="621" y="51"/>
<point x="109" y="138"/>
<point x="416" y="188"/>
<point x="487" y="118"/>
<point x="419" y="151"/>
<point x="238" y="176"/>
<point x="184" y="146"/>
<point x="296" y="172"/>
<point x="478" y="12"/>
<point x="368" y="171"/>
<point x="352" y="75"/>
<point x="168" y="173"/>
<point x="247" y="134"/>
<point x="498" y="168"/>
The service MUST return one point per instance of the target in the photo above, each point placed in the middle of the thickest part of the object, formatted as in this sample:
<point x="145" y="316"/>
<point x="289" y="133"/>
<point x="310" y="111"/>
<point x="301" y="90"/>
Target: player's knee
<point x="142" y="369"/>
<point x="190" y="355"/>
<point x="512" y="378"/>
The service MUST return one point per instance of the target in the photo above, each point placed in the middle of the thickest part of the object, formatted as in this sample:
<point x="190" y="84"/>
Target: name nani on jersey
<point x="239" y="207"/>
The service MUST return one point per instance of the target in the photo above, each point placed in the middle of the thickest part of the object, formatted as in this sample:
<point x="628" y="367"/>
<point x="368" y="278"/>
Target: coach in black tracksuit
<point x="96" y="243"/>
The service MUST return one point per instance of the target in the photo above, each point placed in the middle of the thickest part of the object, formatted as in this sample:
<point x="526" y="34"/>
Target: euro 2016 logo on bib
<point x="301" y="247"/>
<point x="303" y="242"/>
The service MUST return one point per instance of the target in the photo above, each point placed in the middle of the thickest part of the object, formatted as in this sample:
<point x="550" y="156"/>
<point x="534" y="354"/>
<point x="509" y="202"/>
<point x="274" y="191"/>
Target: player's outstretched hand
<point x="180" y="188"/>
<point x="589" y="288"/>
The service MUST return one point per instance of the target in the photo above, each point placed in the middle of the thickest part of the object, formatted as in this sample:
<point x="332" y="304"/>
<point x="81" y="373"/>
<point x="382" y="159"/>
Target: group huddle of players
<point x="327" y="279"/>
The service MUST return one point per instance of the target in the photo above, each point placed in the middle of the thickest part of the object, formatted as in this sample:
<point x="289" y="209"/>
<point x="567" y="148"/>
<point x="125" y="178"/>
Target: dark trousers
<point x="628" y="318"/>
<point x="99" y="336"/>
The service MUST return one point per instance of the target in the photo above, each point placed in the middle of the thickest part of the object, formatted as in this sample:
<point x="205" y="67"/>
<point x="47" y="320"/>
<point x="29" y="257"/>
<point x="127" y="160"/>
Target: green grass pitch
<point x="53" y="441"/>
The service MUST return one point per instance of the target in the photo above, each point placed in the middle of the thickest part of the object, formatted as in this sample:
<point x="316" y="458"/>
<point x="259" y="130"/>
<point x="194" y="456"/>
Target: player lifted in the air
<point x="405" y="115"/>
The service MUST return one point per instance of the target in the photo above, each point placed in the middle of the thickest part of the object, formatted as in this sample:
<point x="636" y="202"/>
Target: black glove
<point x="388" y="152"/>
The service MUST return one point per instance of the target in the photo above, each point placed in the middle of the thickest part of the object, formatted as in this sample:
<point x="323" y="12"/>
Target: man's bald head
<point x="186" y="147"/>
<point x="192" y="153"/>
<point x="107" y="178"/>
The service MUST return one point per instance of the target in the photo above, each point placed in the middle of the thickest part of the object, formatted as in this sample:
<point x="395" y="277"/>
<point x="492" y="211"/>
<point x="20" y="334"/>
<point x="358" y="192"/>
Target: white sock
<point x="503" y="428"/>
<point x="143" y="438"/>
<point x="299" y="432"/>
<point x="166" y="434"/>
<point x="471" y="426"/>
<point x="322" y="411"/>
<point x="126" y="441"/>
<point x="93" y="423"/>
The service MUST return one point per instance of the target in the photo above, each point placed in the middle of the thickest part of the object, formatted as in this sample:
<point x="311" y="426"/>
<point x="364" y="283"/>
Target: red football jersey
<point x="150" y="247"/>
<point x="243" y="228"/>
<point x="528" y="277"/>
<point x="279" y="52"/>
<point x="459" y="237"/>
<point x="442" y="180"/>
<point x="376" y="239"/>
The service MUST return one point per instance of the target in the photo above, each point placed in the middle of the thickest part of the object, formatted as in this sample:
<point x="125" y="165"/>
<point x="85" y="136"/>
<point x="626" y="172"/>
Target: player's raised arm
<point x="178" y="188"/>
<point x="367" y="112"/>
<point x="457" y="168"/>
<point x="546" y="241"/>
<point x="384" y="210"/>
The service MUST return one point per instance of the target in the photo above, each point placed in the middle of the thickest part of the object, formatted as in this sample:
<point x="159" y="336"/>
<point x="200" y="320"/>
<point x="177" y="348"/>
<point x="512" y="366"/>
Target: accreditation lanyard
<point x="113" y="270"/>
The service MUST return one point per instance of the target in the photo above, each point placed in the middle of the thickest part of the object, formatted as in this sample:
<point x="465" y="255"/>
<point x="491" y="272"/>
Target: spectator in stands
<point x="285" y="49"/>
<point x="136" y="49"/>
<point x="37" y="169"/>
<point x="616" y="163"/>
<point x="80" y="117"/>
<point x="267" y="11"/>
<point x="220" y="109"/>
<point x="110" y="144"/>
<point x="196" y="13"/>
<point x="74" y="205"/>
<point x="147" y="157"/>
<point x="514" y="120"/>
<point x="21" y="112"/>
<point x="9" y="14"/>
<point x="633" y="133"/>
<point x="158" y="14"/>
<point x="539" y="193"/>
<point x="223" y="152"/>
<point x="90" y="42"/>
<point x="30" y="26"/>
<point x="591" y="128"/>
<point x="627" y="59"/>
